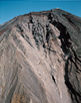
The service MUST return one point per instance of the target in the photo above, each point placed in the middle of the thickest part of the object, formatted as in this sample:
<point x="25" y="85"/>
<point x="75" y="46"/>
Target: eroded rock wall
<point x="40" y="58"/>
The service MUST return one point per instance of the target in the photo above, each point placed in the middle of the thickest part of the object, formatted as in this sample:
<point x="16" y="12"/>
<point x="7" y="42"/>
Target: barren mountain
<point x="40" y="58"/>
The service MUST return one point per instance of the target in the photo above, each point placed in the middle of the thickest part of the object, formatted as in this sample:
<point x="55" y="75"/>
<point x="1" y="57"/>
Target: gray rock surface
<point x="40" y="58"/>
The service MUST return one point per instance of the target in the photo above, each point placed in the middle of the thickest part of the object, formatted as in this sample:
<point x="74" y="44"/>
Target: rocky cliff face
<point x="40" y="58"/>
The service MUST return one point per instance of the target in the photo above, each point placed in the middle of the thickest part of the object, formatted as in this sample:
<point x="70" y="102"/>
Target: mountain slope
<point x="40" y="58"/>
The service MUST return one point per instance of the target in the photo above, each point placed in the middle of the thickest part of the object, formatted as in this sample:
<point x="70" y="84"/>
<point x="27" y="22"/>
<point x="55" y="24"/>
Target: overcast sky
<point x="11" y="8"/>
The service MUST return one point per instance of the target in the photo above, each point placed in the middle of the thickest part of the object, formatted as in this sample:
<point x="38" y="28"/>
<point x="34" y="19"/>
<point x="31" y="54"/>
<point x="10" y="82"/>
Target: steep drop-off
<point x="40" y="58"/>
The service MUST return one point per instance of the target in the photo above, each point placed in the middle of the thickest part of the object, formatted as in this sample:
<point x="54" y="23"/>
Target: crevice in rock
<point x="64" y="37"/>
<point x="51" y="50"/>
<point x="53" y="79"/>
<point x="20" y="28"/>
<point x="31" y="19"/>
<point x="48" y="34"/>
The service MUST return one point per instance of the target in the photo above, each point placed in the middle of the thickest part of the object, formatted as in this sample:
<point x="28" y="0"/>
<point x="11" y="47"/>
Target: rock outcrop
<point x="40" y="58"/>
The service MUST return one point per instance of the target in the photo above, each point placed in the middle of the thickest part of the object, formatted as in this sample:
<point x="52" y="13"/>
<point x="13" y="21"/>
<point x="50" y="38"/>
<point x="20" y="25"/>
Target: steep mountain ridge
<point x="40" y="58"/>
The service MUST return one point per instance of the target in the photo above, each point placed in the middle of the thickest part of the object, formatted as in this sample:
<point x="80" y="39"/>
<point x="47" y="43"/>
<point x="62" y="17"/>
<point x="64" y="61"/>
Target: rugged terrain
<point x="40" y="58"/>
